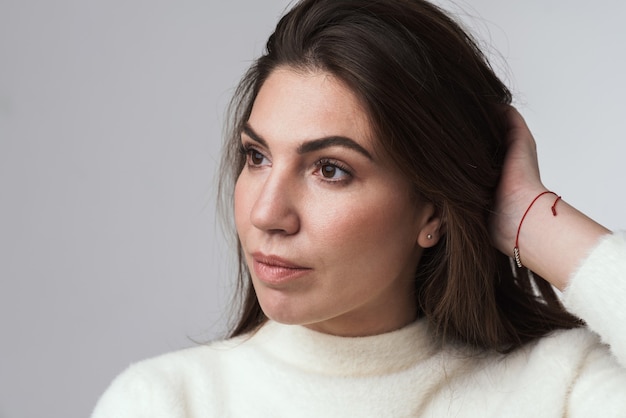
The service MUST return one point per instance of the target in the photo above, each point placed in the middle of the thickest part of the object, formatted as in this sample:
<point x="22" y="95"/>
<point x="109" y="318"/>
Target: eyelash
<point x="334" y="163"/>
<point x="247" y="149"/>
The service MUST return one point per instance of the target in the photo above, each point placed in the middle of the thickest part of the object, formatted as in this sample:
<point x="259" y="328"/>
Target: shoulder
<point x="568" y="346"/>
<point x="168" y="385"/>
<point x="592" y="374"/>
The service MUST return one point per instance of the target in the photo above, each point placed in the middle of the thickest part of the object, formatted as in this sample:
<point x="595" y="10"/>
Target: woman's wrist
<point x="516" y="252"/>
<point x="554" y="246"/>
<point x="508" y="215"/>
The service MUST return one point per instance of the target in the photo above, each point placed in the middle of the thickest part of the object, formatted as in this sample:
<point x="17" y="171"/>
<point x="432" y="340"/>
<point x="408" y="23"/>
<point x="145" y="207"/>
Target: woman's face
<point x="330" y="230"/>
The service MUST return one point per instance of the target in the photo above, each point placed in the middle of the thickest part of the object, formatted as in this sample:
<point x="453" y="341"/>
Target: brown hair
<point x="436" y="108"/>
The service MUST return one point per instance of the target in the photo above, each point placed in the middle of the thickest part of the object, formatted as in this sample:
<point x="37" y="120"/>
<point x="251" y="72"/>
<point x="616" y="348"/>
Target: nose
<point x="275" y="208"/>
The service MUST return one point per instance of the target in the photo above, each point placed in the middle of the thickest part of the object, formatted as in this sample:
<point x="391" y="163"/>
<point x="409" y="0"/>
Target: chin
<point x="279" y="313"/>
<point x="287" y="315"/>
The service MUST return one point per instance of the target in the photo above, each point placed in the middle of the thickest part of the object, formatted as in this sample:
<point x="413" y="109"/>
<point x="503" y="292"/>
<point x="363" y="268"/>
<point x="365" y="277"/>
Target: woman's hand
<point x="519" y="182"/>
<point x="552" y="246"/>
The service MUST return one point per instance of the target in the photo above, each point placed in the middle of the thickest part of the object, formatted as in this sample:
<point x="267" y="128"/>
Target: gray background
<point x="110" y="122"/>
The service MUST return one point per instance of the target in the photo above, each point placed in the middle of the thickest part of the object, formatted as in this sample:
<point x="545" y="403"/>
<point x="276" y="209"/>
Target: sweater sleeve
<point x="597" y="293"/>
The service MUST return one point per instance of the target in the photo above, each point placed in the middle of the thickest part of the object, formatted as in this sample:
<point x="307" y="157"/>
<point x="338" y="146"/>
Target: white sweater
<point x="291" y="371"/>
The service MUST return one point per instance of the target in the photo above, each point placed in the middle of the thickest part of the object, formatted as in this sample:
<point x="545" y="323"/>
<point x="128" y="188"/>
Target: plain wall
<point x="110" y="125"/>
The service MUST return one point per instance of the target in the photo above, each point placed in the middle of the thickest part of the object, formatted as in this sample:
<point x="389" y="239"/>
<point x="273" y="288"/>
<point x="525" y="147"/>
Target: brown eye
<point x="256" y="157"/>
<point x="332" y="171"/>
<point x="328" y="171"/>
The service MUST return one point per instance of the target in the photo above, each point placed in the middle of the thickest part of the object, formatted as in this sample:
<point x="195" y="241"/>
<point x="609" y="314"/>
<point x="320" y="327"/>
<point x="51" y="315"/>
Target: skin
<point x="332" y="234"/>
<point x="544" y="238"/>
<point x="330" y="230"/>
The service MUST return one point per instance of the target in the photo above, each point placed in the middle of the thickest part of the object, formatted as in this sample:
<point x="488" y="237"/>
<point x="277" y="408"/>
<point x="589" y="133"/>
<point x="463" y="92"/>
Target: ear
<point x="431" y="226"/>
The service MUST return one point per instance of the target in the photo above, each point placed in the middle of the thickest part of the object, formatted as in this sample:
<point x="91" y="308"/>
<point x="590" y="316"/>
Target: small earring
<point x="429" y="236"/>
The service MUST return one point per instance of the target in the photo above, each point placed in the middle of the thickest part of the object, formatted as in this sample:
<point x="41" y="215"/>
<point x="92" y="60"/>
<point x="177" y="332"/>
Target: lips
<point x="275" y="270"/>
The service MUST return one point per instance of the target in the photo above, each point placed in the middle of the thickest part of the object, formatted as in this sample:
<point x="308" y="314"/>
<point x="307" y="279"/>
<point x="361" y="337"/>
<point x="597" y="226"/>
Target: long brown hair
<point x="436" y="108"/>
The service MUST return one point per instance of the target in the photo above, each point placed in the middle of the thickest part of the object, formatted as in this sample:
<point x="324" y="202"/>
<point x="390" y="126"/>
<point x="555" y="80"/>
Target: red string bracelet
<point x="519" y="228"/>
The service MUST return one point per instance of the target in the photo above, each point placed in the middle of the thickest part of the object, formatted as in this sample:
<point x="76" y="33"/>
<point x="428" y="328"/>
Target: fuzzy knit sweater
<point x="291" y="371"/>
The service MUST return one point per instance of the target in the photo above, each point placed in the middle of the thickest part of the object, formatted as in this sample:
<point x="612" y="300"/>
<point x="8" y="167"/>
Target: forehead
<point x="301" y="105"/>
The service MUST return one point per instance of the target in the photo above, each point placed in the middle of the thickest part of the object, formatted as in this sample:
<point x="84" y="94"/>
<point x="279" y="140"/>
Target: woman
<point x="381" y="186"/>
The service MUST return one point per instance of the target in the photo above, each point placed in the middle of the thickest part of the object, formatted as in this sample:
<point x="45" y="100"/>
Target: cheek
<point x="366" y="229"/>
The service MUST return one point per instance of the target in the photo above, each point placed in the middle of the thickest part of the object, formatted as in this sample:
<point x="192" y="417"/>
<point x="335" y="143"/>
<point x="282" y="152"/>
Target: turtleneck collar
<point x="345" y="356"/>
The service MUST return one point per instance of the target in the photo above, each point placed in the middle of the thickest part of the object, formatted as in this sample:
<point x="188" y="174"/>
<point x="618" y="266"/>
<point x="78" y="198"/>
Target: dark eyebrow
<point x="255" y="137"/>
<point x="331" y="141"/>
<point x="315" y="144"/>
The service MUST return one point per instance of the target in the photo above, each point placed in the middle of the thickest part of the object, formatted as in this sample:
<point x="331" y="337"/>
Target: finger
<point x="517" y="128"/>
